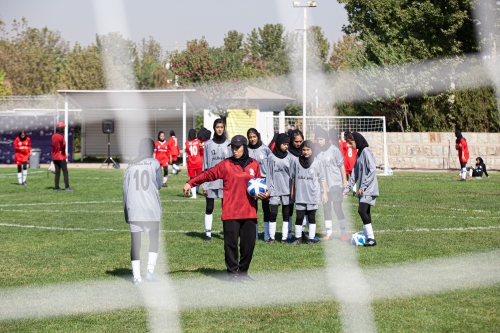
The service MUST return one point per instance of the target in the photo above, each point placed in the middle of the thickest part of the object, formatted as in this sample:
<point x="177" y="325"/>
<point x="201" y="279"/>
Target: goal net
<point x="372" y="128"/>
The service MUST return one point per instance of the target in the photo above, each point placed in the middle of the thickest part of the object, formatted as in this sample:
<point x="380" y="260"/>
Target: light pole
<point x="296" y="4"/>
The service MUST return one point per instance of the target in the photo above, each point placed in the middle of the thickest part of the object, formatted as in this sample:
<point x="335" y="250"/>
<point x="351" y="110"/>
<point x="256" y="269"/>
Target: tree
<point x="343" y="51"/>
<point x="83" y="69"/>
<point x="233" y="42"/>
<point x="32" y="58"/>
<point x="4" y="85"/>
<point x="151" y="71"/>
<point x="120" y="60"/>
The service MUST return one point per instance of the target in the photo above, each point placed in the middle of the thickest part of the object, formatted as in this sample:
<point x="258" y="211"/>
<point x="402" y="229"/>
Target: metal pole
<point x="66" y="129"/>
<point x="183" y="128"/>
<point x="304" y="77"/>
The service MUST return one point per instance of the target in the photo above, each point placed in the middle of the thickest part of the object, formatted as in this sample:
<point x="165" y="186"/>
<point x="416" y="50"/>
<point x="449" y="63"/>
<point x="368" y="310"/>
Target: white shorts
<point x="144" y="226"/>
<point x="214" y="194"/>
<point x="299" y="206"/>
<point x="275" y="201"/>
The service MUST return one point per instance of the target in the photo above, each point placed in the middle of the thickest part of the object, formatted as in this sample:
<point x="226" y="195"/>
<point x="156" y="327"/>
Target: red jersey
<point x="349" y="156"/>
<point x="58" y="147"/>
<point x="237" y="204"/>
<point x="463" y="152"/>
<point x="161" y="152"/>
<point x="22" y="150"/>
<point x="173" y="147"/>
<point x="194" y="157"/>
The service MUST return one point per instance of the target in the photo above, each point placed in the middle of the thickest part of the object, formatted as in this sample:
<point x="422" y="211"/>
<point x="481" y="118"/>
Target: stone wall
<point x="435" y="150"/>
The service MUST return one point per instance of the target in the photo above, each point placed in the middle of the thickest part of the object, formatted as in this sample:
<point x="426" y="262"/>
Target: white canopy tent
<point x="135" y="109"/>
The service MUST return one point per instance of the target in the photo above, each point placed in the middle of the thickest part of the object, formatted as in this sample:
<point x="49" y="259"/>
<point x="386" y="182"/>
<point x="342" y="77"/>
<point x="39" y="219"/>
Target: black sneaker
<point x="234" y="278"/>
<point x="305" y="238"/>
<point x="313" y="241"/>
<point x="246" y="278"/>
<point x="68" y="189"/>
<point x="284" y="241"/>
<point x="55" y="188"/>
<point x="270" y="241"/>
<point x="298" y="241"/>
<point x="207" y="238"/>
<point x="370" y="242"/>
<point x="25" y="184"/>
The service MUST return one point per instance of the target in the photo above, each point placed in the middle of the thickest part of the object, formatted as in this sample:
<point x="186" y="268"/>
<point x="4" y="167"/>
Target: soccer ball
<point x="358" y="239"/>
<point x="256" y="186"/>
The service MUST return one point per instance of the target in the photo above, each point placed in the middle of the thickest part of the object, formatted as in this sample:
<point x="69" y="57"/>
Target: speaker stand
<point x="109" y="159"/>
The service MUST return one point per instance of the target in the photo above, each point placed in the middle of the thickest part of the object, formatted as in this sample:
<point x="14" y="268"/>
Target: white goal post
<point x="372" y="128"/>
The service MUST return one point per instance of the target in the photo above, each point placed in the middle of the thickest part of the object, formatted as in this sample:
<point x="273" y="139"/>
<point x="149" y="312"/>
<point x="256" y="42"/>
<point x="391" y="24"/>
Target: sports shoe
<point x="137" y="282"/>
<point x="178" y="172"/>
<point x="164" y="185"/>
<point x="284" y="241"/>
<point x="305" y="238"/>
<point x="235" y="278"/>
<point x="192" y="197"/>
<point x="344" y="238"/>
<point x="298" y="241"/>
<point x="289" y="239"/>
<point x="462" y="179"/>
<point x="68" y="189"/>
<point x="152" y="277"/>
<point x="270" y="241"/>
<point x="370" y="242"/>
<point x="313" y="241"/>
<point x="25" y="184"/>
<point x="325" y="238"/>
<point x="246" y="278"/>
<point x="207" y="238"/>
<point x="55" y="188"/>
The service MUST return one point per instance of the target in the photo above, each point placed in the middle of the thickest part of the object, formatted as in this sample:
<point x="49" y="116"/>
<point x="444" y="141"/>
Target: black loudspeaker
<point x="108" y="126"/>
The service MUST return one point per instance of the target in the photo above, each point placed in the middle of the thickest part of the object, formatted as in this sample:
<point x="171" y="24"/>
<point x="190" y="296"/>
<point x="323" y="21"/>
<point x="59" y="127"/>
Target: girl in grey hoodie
<point x="364" y="173"/>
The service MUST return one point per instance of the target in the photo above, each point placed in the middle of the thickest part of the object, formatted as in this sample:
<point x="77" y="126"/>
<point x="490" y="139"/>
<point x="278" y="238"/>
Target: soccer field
<point x="428" y="223"/>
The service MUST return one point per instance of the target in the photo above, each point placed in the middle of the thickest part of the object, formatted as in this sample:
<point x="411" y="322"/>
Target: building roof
<point x="254" y="94"/>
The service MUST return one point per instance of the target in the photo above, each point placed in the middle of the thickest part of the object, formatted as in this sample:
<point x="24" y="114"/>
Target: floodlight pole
<point x="304" y="66"/>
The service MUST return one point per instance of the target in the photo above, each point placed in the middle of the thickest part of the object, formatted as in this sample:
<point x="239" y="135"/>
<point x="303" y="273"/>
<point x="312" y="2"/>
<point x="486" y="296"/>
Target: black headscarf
<point x="146" y="148"/>
<point x="307" y="162"/>
<point x="172" y="133"/>
<point x="244" y="160"/>
<point x="273" y="140"/>
<point x="60" y="130"/>
<point x="290" y="131"/>
<point x="334" y="136"/>
<point x="259" y="141"/>
<point x="219" y="138"/>
<point x="25" y="136"/>
<point x="160" y="132"/>
<point x="459" y="136"/>
<point x="291" y="148"/>
<point x="282" y="138"/>
<point x="346" y="133"/>
<point x="319" y="132"/>
<point x="480" y="160"/>
<point x="206" y="134"/>
<point x="192" y="134"/>
<point x="361" y="142"/>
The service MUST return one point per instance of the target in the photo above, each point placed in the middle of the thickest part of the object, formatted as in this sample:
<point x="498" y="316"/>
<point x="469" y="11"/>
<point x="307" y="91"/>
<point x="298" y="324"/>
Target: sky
<point x="170" y="21"/>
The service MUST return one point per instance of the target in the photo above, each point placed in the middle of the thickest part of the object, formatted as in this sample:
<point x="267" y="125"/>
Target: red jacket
<point x="237" y="204"/>
<point x="464" y="149"/>
<point x="22" y="150"/>
<point x="58" y="147"/>
<point x="173" y="147"/>
<point x="161" y="153"/>
<point x="349" y="156"/>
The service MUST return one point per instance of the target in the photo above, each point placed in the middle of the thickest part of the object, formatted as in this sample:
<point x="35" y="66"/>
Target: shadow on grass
<point x="201" y="235"/>
<point x="217" y="274"/>
<point x="124" y="273"/>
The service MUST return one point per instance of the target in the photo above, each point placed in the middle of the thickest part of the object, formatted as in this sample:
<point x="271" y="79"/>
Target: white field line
<point x="14" y="174"/>
<point x="220" y="231"/>
<point x="405" y="280"/>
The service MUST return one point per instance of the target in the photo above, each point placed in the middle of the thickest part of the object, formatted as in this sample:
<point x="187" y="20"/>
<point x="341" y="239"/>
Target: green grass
<point x="409" y="202"/>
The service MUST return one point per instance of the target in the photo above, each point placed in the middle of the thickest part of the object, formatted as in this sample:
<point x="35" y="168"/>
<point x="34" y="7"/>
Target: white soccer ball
<point x="358" y="239"/>
<point x="256" y="186"/>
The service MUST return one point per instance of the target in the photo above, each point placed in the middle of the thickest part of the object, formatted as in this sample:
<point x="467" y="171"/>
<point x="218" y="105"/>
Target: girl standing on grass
<point x="364" y="173"/>
<point x="308" y="176"/>
<point x="194" y="159"/>
<point x="22" y="147"/>
<point x="161" y="154"/>
<point x="463" y="153"/>
<point x="260" y="152"/>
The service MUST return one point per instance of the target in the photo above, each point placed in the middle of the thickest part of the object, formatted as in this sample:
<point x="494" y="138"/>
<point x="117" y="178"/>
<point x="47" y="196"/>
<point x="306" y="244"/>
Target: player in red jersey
<point x="463" y="153"/>
<point x="349" y="157"/>
<point x="22" y="147"/>
<point x="194" y="158"/>
<point x="162" y="155"/>
<point x="174" y="152"/>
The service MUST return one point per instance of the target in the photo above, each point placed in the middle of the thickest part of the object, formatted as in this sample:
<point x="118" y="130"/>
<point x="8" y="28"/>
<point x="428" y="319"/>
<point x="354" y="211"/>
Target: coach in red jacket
<point x="59" y="157"/>
<point x="239" y="210"/>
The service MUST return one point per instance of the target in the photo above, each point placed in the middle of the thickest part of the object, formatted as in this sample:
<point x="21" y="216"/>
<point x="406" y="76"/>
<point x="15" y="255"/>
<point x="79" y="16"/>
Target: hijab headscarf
<point x="146" y="148"/>
<point x="259" y="141"/>
<point x="334" y="136"/>
<point x="319" y="132"/>
<point x="172" y="133"/>
<point x="282" y="138"/>
<point x="480" y="160"/>
<point x="244" y="160"/>
<point x="219" y="138"/>
<point x="361" y="142"/>
<point x="160" y="132"/>
<point x="459" y="136"/>
<point x="206" y="134"/>
<point x="192" y="134"/>
<point x="307" y="162"/>
<point x="60" y="130"/>
<point x="295" y="151"/>
<point x="20" y="136"/>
